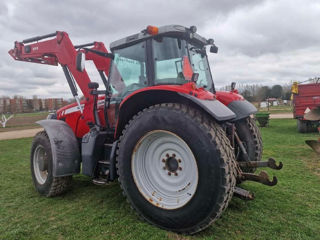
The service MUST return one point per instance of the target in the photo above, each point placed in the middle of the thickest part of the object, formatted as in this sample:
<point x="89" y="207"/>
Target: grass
<point x="277" y="109"/>
<point x="290" y="210"/>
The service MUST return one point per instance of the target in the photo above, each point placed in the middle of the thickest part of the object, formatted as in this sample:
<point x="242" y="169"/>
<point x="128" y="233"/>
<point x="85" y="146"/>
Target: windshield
<point x="199" y="63"/>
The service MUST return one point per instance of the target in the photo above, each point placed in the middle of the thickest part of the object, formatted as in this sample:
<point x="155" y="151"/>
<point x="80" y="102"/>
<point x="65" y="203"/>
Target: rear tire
<point x="250" y="136"/>
<point x="41" y="168"/>
<point x="178" y="129"/>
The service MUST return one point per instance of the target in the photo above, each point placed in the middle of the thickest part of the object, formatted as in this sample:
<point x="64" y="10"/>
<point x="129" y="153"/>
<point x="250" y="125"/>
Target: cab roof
<point x="168" y="30"/>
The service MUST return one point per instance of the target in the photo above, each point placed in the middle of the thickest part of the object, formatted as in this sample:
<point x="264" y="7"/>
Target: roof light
<point x="152" y="30"/>
<point x="193" y="29"/>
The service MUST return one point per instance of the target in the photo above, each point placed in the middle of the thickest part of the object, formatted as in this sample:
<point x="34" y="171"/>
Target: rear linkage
<point x="262" y="177"/>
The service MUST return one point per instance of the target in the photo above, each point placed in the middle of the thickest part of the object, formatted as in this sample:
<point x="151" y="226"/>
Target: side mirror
<point x="233" y="86"/>
<point x="80" y="61"/>
<point x="194" y="77"/>
<point x="214" y="49"/>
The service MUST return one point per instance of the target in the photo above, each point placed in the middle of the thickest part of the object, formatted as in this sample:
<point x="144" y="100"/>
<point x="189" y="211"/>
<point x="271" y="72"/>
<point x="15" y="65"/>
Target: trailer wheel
<point x="41" y="168"/>
<point x="250" y="136"/>
<point x="305" y="126"/>
<point x="176" y="167"/>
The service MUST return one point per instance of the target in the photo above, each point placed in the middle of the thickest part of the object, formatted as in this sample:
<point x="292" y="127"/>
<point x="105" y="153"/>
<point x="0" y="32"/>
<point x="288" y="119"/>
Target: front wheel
<point x="176" y="167"/>
<point x="250" y="136"/>
<point x="41" y="168"/>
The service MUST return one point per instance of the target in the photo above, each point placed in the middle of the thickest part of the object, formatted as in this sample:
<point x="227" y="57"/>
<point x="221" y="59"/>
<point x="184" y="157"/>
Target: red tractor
<point x="177" y="146"/>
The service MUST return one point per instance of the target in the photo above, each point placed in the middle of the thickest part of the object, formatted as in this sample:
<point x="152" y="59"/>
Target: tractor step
<point x="104" y="162"/>
<point x="100" y="181"/>
<point x="243" y="194"/>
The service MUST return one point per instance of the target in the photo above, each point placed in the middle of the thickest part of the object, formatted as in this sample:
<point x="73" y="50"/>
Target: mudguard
<point x="242" y="109"/>
<point x="64" y="146"/>
<point x="214" y="107"/>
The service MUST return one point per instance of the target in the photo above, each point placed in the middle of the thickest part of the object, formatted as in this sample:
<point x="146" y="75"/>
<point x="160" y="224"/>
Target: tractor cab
<point x="169" y="55"/>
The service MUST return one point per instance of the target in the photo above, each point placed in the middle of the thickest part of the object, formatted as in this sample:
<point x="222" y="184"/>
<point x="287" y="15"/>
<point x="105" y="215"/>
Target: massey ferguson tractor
<point x="177" y="146"/>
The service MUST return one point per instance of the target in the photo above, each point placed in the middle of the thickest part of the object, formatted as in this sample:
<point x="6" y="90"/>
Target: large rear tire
<point x="176" y="167"/>
<point x="41" y="168"/>
<point x="250" y="136"/>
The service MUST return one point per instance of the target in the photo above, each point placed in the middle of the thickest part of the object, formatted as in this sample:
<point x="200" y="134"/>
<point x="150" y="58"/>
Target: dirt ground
<point x="281" y="115"/>
<point x="19" y="134"/>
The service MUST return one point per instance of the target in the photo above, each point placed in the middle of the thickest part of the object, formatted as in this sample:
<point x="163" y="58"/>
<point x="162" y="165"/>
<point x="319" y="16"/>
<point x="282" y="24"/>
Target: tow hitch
<point x="262" y="177"/>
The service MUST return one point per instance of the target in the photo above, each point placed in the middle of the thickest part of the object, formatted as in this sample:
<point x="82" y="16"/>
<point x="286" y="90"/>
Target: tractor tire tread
<point x="59" y="185"/>
<point x="227" y="161"/>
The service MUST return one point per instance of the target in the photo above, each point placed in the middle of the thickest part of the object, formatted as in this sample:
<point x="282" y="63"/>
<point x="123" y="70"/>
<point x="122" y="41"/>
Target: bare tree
<point x="4" y="120"/>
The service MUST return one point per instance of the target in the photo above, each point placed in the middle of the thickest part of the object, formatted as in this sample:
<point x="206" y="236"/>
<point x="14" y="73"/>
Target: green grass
<point x="277" y="109"/>
<point x="290" y="210"/>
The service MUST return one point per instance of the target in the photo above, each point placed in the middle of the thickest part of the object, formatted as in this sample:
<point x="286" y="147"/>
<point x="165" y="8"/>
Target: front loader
<point x="177" y="146"/>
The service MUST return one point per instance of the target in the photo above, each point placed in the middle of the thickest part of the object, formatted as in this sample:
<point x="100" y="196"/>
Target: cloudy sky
<point x="262" y="42"/>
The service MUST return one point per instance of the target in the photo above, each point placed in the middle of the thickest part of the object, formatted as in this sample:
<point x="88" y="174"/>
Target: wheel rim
<point x="164" y="169"/>
<point x="40" y="164"/>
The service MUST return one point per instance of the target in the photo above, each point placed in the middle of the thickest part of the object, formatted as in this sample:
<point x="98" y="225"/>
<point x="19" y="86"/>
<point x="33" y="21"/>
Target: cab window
<point x="128" y="70"/>
<point x="169" y="54"/>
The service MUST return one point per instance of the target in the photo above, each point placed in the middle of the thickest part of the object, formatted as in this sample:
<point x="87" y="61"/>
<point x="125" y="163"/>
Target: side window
<point x="168" y="55"/>
<point x="128" y="70"/>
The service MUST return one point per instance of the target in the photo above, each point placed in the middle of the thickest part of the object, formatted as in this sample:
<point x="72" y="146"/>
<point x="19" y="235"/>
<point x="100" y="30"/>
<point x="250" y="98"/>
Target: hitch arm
<point x="271" y="163"/>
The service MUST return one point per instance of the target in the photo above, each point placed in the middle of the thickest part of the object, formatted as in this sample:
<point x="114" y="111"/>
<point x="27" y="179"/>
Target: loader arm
<point x="58" y="50"/>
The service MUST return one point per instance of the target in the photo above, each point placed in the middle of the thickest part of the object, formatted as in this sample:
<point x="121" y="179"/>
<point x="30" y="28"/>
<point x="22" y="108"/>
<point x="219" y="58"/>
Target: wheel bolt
<point x="167" y="155"/>
<point x="163" y="160"/>
<point x="179" y="160"/>
<point x="173" y="155"/>
<point x="176" y="174"/>
<point x="180" y="168"/>
<point x="169" y="173"/>
<point x="164" y="168"/>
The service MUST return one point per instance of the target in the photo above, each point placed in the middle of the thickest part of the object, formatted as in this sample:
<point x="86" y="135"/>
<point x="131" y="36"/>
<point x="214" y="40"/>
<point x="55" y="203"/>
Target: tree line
<point x="258" y="93"/>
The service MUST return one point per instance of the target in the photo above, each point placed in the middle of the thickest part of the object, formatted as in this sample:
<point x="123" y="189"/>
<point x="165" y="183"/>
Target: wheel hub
<point x="171" y="163"/>
<point x="164" y="169"/>
<point x="40" y="164"/>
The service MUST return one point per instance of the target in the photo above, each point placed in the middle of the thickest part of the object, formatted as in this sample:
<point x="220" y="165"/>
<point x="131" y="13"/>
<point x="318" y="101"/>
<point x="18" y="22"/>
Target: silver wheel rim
<point x="164" y="169"/>
<point x="40" y="164"/>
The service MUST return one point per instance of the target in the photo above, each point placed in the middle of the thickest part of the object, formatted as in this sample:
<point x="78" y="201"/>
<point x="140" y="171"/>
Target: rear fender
<point x="242" y="109"/>
<point x="64" y="146"/>
<point x="144" y="99"/>
<point x="236" y="103"/>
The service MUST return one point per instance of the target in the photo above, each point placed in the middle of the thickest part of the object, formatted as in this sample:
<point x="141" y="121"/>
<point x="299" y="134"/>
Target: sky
<point x="260" y="42"/>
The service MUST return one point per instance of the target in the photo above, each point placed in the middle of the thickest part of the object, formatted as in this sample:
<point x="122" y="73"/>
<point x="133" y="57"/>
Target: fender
<point x="64" y="146"/>
<point x="236" y="103"/>
<point x="242" y="108"/>
<point x="147" y="97"/>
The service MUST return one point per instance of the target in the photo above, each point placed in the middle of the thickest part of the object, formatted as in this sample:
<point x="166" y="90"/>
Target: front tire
<point x="176" y="167"/>
<point x="41" y="168"/>
<point x="250" y="136"/>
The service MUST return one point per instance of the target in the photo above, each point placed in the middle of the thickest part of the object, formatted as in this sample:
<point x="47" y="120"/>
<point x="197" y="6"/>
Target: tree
<point x="263" y="93"/>
<point x="276" y="91"/>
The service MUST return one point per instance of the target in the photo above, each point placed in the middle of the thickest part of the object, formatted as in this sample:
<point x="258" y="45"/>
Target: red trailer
<point x="305" y="98"/>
